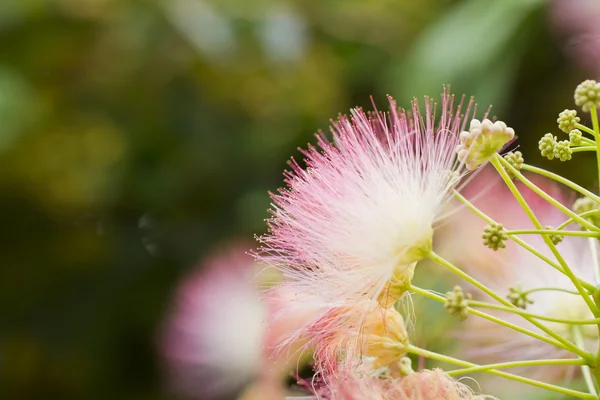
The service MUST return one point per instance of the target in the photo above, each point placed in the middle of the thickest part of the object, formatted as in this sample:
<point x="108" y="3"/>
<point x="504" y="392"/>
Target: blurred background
<point x="138" y="135"/>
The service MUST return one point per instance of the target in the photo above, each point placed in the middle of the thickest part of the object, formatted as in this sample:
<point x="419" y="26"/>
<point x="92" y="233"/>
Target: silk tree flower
<point x="577" y="22"/>
<point x="423" y="385"/>
<point x="217" y="339"/>
<point x="489" y="342"/>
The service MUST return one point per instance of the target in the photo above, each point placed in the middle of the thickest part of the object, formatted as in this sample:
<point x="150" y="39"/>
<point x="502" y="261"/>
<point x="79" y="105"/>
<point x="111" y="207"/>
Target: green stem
<point x="560" y="179"/>
<point x="582" y="149"/>
<point x="571" y="220"/>
<point x="440" y="357"/>
<point x="587" y="373"/>
<point x="589" y="287"/>
<point x="526" y="292"/>
<point x="596" y="127"/>
<point x="568" y="346"/>
<point x="497" y="163"/>
<point x="552" y="232"/>
<point x="587" y="141"/>
<point x="585" y="129"/>
<point x="513" y="364"/>
<point x="458" y="272"/>
<point x="519" y="311"/>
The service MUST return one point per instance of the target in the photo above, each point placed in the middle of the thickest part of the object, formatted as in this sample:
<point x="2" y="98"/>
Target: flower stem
<point x="497" y="163"/>
<point x="571" y="220"/>
<point x="457" y="271"/>
<point x="566" y="346"/>
<point x="512" y="364"/>
<point x="526" y="292"/>
<point x="582" y="149"/>
<point x="585" y="369"/>
<point x="589" y="287"/>
<point x="560" y="179"/>
<point x="596" y="127"/>
<point x="553" y="232"/>
<point x="440" y="357"/>
<point x="584" y="128"/>
<point x="483" y="304"/>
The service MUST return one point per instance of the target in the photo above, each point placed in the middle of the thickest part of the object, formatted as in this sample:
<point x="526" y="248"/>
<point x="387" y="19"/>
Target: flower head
<point x="422" y="385"/>
<point x="482" y="140"/>
<point x="218" y="336"/>
<point x="205" y="354"/>
<point x="352" y="224"/>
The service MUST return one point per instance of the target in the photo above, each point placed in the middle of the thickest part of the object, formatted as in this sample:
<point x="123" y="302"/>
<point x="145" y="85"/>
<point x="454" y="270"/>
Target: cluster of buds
<point x="516" y="160"/>
<point x="575" y="136"/>
<point x="586" y="205"/>
<point x="567" y="120"/>
<point x="457" y="302"/>
<point x="518" y="297"/>
<point x="556" y="239"/>
<point x="587" y="95"/>
<point x="552" y="148"/>
<point x="482" y="140"/>
<point x="494" y="236"/>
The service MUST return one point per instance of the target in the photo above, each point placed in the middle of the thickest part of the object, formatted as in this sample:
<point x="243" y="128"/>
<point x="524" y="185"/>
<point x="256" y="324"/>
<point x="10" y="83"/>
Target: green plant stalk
<point x="571" y="220"/>
<point x="566" y="346"/>
<point x="458" y="272"/>
<point x="588" y="142"/>
<point x="560" y="179"/>
<point x="582" y="149"/>
<point x="497" y="163"/>
<point x="585" y="369"/>
<point x="552" y="232"/>
<point x="483" y="304"/>
<point x="556" y="289"/>
<point x="513" y="364"/>
<point x="590" y="288"/>
<point x="584" y="128"/>
<point x="440" y="357"/>
<point x="596" y="130"/>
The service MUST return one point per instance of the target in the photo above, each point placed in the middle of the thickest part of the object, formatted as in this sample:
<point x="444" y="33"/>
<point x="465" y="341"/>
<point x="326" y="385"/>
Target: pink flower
<point x="217" y="339"/>
<point x="423" y="385"/>
<point x="351" y="225"/>
<point x="577" y="20"/>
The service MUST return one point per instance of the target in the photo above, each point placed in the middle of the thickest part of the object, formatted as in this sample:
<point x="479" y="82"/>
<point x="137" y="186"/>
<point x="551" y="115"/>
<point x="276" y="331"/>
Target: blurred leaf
<point x="475" y="47"/>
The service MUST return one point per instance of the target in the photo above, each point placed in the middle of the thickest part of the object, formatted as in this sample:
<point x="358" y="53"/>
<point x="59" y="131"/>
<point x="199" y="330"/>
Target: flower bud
<point x="482" y="140"/>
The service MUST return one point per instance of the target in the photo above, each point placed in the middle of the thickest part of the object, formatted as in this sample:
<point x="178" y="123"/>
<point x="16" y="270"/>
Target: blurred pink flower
<point x="577" y="20"/>
<point x="514" y="265"/>
<point x="218" y="338"/>
<point x="422" y="385"/>
<point x="361" y="213"/>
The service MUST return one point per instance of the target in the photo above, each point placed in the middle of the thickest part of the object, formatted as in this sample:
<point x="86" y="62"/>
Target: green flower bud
<point x="567" y="120"/>
<point x="517" y="297"/>
<point x="585" y="204"/>
<point x="494" y="236"/>
<point x="546" y="146"/>
<point x="457" y="302"/>
<point x="587" y="95"/>
<point x="575" y="137"/>
<point x="516" y="160"/>
<point x="563" y="151"/>
<point x="556" y="239"/>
